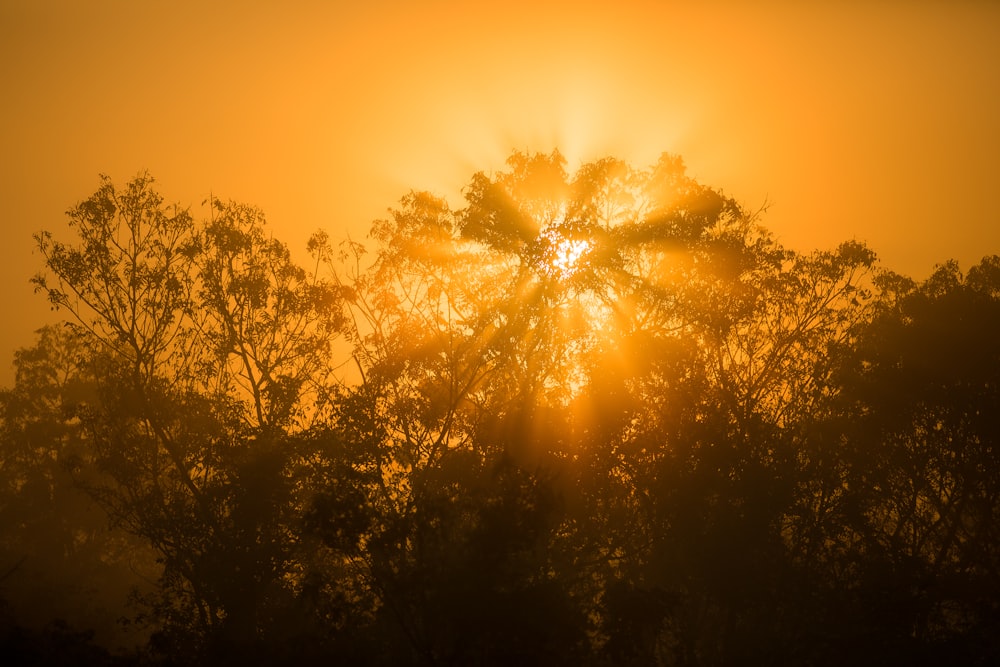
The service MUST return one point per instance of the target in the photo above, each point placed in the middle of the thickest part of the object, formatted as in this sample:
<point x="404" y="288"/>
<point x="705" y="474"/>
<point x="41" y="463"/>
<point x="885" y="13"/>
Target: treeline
<point x="600" y="418"/>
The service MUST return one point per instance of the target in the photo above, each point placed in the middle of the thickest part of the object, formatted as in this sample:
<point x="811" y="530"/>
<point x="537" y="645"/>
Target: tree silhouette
<point x="597" y="418"/>
<point x="919" y="430"/>
<point x="59" y="558"/>
<point x="206" y="342"/>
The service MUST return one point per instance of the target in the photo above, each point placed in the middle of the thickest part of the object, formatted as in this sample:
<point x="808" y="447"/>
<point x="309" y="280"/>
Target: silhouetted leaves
<point x="595" y="418"/>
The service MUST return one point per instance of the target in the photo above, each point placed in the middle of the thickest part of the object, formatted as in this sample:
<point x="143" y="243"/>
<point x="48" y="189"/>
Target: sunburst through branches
<point x="544" y="273"/>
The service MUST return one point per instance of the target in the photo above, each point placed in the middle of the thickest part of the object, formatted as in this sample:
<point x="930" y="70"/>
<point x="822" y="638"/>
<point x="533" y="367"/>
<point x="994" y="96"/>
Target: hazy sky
<point x="877" y="121"/>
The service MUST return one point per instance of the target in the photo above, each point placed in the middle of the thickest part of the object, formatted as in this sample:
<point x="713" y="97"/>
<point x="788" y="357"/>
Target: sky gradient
<point x="871" y="121"/>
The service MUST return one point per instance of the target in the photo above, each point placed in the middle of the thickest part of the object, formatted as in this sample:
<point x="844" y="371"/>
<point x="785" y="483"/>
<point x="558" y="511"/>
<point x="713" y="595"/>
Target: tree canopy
<point x="590" y="418"/>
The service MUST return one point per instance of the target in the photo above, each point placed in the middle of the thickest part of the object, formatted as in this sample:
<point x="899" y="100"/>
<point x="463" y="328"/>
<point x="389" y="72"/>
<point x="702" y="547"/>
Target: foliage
<point x="590" y="418"/>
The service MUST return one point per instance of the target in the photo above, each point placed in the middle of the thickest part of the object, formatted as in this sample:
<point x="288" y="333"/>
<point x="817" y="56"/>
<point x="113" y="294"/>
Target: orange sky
<point x="876" y="121"/>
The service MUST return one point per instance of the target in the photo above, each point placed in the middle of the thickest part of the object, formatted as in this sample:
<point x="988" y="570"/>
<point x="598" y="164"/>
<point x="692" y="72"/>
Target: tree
<point x="638" y="336"/>
<point x="599" y="417"/>
<point x="59" y="558"/>
<point x="207" y="342"/>
<point x="918" y="431"/>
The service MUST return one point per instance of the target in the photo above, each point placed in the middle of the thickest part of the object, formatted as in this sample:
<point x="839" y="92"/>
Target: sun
<point x="566" y="255"/>
<point x="564" y="249"/>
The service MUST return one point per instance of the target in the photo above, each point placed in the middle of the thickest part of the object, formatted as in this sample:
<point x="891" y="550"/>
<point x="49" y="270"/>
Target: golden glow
<point x="563" y="251"/>
<point x="569" y="252"/>
<point x="326" y="115"/>
<point x="565" y="255"/>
